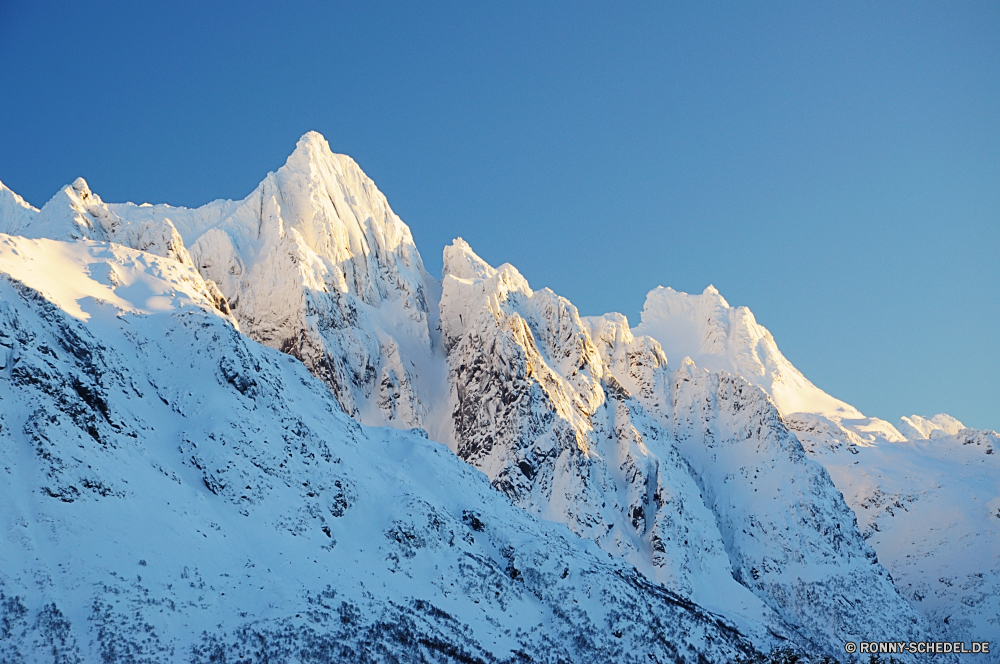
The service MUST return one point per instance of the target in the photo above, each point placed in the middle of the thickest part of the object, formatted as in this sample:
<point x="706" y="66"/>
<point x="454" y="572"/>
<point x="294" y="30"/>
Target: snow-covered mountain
<point x="174" y="491"/>
<point x="695" y="479"/>
<point x="313" y="263"/>
<point x="929" y="509"/>
<point x="718" y="337"/>
<point x="716" y="500"/>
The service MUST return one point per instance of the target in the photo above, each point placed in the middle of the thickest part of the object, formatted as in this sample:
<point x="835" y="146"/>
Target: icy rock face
<point x="316" y="264"/>
<point x="534" y="408"/>
<point x="174" y="491"/>
<point x="689" y="475"/>
<point x="313" y="263"/>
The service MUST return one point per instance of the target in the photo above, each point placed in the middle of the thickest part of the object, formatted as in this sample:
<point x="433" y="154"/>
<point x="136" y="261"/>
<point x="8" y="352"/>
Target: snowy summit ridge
<point x="677" y="490"/>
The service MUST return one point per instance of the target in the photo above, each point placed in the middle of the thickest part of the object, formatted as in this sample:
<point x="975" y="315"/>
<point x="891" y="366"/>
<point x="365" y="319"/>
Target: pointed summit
<point x="82" y="189"/>
<point x="719" y="337"/>
<point x="314" y="262"/>
<point x="74" y="213"/>
<point x="15" y="212"/>
<point x="461" y="262"/>
<point x="712" y="294"/>
<point x="314" y="158"/>
<point x="311" y="148"/>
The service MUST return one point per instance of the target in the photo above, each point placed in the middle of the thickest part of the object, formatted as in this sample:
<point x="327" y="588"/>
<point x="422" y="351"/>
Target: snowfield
<point x="259" y="430"/>
<point x="175" y="491"/>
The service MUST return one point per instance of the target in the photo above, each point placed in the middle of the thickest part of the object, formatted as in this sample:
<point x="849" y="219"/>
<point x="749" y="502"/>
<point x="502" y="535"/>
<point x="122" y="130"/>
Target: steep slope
<point x="690" y="476"/>
<point x="926" y="508"/>
<point x="316" y="264"/>
<point x="719" y="337"/>
<point x="313" y="263"/>
<point x="15" y="212"/>
<point x="534" y="408"/>
<point x="580" y="421"/>
<point x="76" y="213"/>
<point x="173" y="491"/>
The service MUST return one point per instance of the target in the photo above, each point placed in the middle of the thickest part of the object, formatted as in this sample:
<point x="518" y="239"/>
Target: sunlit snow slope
<point x="313" y="263"/>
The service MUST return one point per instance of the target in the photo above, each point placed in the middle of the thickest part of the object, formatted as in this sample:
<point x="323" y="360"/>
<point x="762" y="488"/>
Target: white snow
<point x="135" y="411"/>
<point x="942" y="424"/>
<point x="690" y="476"/>
<point x="924" y="508"/>
<point x="15" y="212"/>
<point x="719" y="337"/>
<point x="174" y="491"/>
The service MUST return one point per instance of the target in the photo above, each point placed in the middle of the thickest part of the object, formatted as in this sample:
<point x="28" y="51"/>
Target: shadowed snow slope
<point x="174" y="491"/>
<point x="931" y="509"/>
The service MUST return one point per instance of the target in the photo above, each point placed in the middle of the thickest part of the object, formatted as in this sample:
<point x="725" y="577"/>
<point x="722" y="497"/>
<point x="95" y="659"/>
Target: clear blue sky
<point x="833" y="166"/>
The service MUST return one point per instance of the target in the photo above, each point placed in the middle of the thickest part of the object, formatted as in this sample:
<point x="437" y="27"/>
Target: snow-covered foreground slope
<point x="173" y="491"/>
<point x="691" y="476"/>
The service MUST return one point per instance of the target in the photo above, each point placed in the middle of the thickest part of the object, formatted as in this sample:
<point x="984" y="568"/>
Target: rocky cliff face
<point x="691" y="476"/>
<point x="316" y="264"/>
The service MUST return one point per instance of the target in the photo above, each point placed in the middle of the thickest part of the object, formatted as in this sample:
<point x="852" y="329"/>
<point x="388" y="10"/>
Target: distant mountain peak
<point x="81" y="187"/>
<point x="917" y="427"/>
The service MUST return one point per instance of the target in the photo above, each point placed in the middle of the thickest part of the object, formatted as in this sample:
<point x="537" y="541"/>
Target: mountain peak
<point x="314" y="136"/>
<point x="462" y="262"/>
<point x="917" y="427"/>
<point x="15" y="212"/>
<point x="313" y="143"/>
<point x="81" y="188"/>
<point x="719" y="337"/>
<point x="312" y="153"/>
